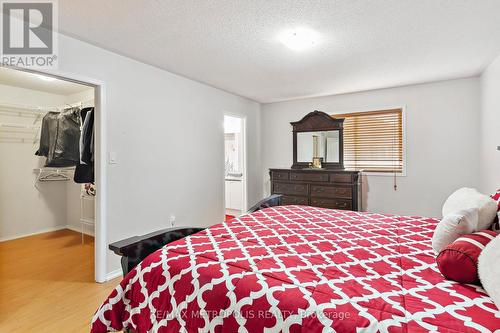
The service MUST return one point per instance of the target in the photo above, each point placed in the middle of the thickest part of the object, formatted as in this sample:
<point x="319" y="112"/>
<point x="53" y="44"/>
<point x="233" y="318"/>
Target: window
<point x="373" y="141"/>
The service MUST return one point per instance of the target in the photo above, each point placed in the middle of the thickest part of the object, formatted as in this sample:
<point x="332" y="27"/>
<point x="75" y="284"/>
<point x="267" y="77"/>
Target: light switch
<point x="113" y="157"/>
<point x="498" y="147"/>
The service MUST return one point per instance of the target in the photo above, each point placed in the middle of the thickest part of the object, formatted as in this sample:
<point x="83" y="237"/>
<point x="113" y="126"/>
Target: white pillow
<point x="466" y="198"/>
<point x="489" y="270"/>
<point x="452" y="226"/>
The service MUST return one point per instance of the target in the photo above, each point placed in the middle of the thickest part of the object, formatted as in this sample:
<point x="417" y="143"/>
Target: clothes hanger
<point x="45" y="175"/>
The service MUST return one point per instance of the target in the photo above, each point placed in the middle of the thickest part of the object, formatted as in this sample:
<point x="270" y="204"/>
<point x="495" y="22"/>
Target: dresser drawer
<point x="341" y="178"/>
<point x="309" y="176"/>
<point x="288" y="188"/>
<point x="321" y="191"/>
<point x="336" y="188"/>
<point x="280" y="175"/>
<point x="332" y="203"/>
<point x="290" y="200"/>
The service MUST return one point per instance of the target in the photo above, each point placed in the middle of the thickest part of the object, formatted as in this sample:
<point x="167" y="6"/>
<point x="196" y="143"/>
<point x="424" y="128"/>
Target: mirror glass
<point x="323" y="144"/>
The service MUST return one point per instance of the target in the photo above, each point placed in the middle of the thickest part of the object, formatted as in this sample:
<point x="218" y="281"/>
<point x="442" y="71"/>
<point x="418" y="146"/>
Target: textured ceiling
<point x="28" y="80"/>
<point x="232" y="44"/>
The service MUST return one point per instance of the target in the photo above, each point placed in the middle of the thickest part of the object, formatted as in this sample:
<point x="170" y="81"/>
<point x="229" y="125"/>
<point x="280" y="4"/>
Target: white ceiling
<point x="27" y="80"/>
<point x="232" y="44"/>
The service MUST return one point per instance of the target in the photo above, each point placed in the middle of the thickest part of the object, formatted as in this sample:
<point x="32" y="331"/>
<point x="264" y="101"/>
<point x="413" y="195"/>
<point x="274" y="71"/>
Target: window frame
<point x="403" y="128"/>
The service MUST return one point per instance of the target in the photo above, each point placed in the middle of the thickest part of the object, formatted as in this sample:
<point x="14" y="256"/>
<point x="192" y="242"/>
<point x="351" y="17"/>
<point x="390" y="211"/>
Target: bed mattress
<point x="298" y="269"/>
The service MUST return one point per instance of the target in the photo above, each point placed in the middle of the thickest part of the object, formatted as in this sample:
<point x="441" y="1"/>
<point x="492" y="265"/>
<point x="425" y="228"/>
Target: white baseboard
<point x="233" y="212"/>
<point x="114" y="274"/>
<point x="42" y="231"/>
<point x="79" y="229"/>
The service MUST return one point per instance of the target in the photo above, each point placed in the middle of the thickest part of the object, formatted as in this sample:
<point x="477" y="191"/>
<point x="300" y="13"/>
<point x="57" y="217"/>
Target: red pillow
<point x="458" y="261"/>
<point x="496" y="197"/>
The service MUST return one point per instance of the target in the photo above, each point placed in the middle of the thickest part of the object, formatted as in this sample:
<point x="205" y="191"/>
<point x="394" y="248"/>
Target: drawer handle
<point x="335" y="190"/>
<point x="340" y="205"/>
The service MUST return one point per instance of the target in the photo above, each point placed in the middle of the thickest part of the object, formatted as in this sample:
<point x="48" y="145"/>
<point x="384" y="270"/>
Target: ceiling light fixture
<point x="45" y="78"/>
<point x="299" y="39"/>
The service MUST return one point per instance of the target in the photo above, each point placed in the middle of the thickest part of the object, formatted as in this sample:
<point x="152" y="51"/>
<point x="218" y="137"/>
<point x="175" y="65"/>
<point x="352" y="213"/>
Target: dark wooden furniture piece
<point x="337" y="189"/>
<point x="271" y="201"/>
<point x="328" y="187"/>
<point x="318" y="121"/>
<point x="135" y="249"/>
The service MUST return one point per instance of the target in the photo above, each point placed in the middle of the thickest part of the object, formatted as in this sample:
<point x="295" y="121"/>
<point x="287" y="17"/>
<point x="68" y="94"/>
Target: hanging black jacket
<point x="87" y="133"/>
<point x="59" y="138"/>
<point x="49" y="126"/>
<point x="84" y="172"/>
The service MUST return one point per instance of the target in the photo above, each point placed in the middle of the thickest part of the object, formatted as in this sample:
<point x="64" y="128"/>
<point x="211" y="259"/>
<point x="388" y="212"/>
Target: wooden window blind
<point x="373" y="141"/>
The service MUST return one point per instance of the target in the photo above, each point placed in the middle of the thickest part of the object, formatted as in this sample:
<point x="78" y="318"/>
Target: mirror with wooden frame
<point x="318" y="136"/>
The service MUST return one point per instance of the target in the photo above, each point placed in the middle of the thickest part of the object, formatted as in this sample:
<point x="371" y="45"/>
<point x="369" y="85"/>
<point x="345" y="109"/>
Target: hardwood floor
<point x="47" y="284"/>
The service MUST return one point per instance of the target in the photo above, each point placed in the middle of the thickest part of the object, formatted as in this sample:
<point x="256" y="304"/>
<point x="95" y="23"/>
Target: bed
<point x="298" y="269"/>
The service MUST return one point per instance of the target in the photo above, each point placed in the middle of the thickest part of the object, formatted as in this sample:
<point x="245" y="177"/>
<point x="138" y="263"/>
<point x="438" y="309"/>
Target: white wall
<point x="84" y="96"/>
<point x="23" y="208"/>
<point x="168" y="134"/>
<point x="29" y="97"/>
<point x="489" y="132"/>
<point x="442" y="133"/>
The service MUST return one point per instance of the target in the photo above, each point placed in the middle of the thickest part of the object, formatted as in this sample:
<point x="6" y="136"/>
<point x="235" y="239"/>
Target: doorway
<point x="85" y="213"/>
<point x="235" y="170"/>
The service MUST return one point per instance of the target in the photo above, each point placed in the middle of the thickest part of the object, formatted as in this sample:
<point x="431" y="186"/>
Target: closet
<point x="42" y="127"/>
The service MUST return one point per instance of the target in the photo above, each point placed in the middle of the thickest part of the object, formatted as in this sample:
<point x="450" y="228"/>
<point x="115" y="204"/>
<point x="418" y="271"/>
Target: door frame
<point x="244" y="134"/>
<point x="100" y="125"/>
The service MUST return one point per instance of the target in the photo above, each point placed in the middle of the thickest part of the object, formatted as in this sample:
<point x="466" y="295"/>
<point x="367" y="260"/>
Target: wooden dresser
<point x="337" y="189"/>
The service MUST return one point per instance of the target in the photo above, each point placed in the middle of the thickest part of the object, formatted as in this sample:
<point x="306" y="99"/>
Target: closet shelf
<point x="87" y="220"/>
<point x="20" y="126"/>
<point x="17" y="140"/>
<point x="20" y="110"/>
<point x="19" y="133"/>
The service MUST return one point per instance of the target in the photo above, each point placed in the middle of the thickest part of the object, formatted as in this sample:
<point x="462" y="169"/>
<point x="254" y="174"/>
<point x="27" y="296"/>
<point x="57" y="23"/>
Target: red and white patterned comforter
<point x="298" y="269"/>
